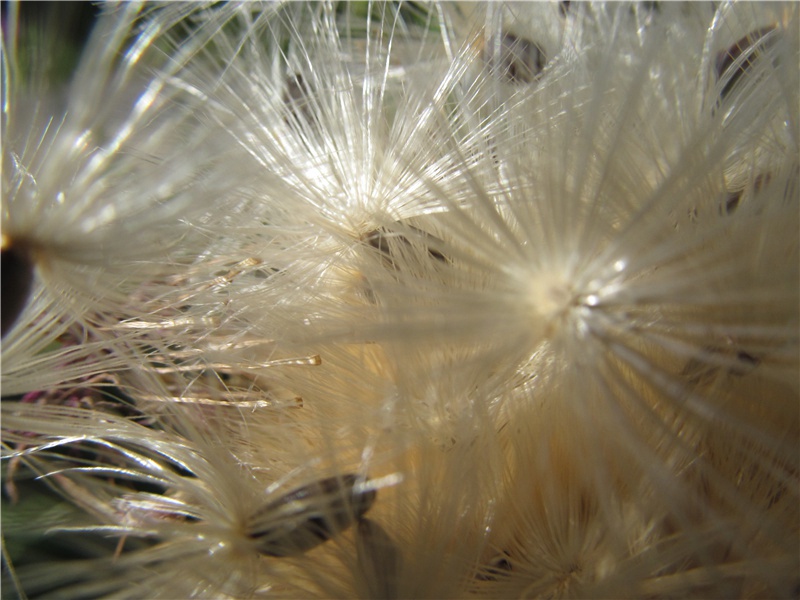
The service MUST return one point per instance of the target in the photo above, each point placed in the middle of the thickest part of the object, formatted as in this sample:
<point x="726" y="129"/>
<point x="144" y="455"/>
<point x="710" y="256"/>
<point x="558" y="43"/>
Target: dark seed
<point x="750" y="46"/>
<point x="734" y="199"/>
<point x="379" y="240"/>
<point x="499" y="566"/>
<point x="650" y="6"/>
<point x="518" y="59"/>
<point x="17" y="279"/>
<point x="297" y="97"/>
<point x="379" y="560"/>
<point x="308" y="516"/>
<point x="747" y="362"/>
<point x="747" y="358"/>
<point x="699" y="371"/>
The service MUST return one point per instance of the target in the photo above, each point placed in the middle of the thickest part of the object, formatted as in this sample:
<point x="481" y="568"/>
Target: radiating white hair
<point x="464" y="300"/>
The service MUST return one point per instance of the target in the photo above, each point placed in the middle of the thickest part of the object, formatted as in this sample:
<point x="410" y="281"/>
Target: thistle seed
<point x="379" y="560"/>
<point x="730" y="66"/>
<point x="518" y="59"/>
<point x="379" y="240"/>
<point x="17" y="280"/>
<point x="310" y="515"/>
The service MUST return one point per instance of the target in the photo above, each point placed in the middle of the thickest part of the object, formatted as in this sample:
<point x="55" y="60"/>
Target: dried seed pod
<point x="379" y="560"/>
<point x="734" y="62"/>
<point x="310" y="515"/>
<point x="17" y="279"/>
<point x="517" y="59"/>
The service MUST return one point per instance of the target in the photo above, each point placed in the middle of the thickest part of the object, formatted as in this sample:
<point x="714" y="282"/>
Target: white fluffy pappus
<point x="207" y="504"/>
<point x="549" y="263"/>
<point x="97" y="186"/>
<point x="632" y="259"/>
<point x="340" y="119"/>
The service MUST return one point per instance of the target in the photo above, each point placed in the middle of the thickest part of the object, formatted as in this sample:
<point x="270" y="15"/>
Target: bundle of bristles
<point x="390" y="300"/>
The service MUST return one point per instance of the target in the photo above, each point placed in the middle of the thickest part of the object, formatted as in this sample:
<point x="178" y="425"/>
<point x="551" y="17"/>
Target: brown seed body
<point x="17" y="279"/>
<point x="310" y="515"/>
<point x="379" y="560"/>
<point x="517" y="59"/>
<point x="751" y="47"/>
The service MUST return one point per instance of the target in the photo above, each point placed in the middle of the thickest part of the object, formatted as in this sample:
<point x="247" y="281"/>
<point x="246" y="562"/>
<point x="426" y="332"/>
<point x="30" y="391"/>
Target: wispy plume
<point x="460" y="300"/>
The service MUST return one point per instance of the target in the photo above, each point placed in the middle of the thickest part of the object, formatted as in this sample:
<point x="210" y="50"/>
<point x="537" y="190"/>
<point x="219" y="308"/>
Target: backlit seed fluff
<point x="450" y="300"/>
<point x="97" y="186"/>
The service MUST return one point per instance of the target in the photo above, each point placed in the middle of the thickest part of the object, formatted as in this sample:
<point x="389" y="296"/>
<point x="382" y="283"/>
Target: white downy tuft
<point x="501" y="300"/>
